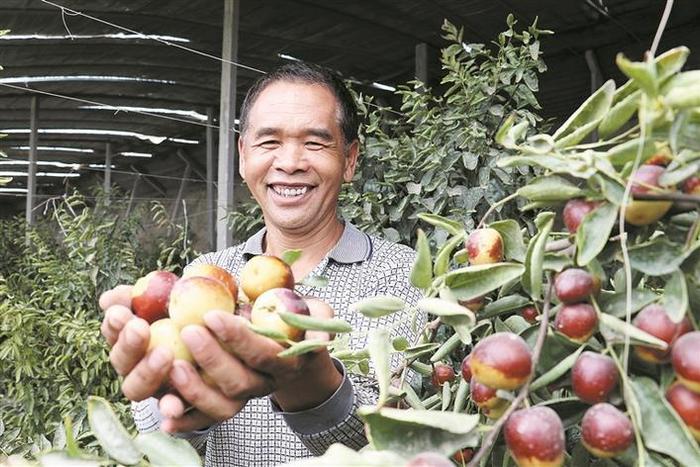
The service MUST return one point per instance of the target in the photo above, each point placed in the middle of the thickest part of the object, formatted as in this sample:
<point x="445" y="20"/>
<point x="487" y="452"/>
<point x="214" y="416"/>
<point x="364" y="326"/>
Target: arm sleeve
<point x="336" y="420"/>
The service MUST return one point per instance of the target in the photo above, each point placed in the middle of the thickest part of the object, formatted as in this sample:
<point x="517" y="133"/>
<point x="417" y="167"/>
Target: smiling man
<point x="298" y="145"/>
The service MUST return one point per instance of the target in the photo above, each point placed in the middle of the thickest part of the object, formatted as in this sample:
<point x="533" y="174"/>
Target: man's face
<point x="293" y="155"/>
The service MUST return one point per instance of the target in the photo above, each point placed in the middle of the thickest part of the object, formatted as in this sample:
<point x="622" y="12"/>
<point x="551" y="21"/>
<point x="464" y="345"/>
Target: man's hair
<point x="300" y="72"/>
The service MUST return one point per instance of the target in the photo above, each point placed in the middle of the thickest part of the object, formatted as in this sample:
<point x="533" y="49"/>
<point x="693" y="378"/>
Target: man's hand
<point x="240" y="364"/>
<point x="128" y="336"/>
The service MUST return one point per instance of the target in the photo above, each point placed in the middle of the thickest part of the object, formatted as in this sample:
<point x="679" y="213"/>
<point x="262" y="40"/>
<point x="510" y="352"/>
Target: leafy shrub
<point x="52" y="353"/>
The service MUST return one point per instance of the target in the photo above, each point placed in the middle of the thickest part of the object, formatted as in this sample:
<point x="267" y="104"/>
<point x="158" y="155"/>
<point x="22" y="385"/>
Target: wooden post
<point x="227" y="137"/>
<point x="31" y="169"/>
<point x="108" y="172"/>
<point x="180" y="191"/>
<point x="421" y="63"/>
<point x="211" y="207"/>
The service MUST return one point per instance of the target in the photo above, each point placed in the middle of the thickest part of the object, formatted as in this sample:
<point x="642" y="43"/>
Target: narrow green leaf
<point x="270" y="333"/>
<point x="420" y="349"/>
<point x="671" y="61"/>
<point x="532" y="274"/>
<point x="442" y="261"/>
<point x="594" y="231"/>
<point x="290" y="256"/>
<point x="413" y="431"/>
<point x="557" y="371"/>
<point x="303" y="347"/>
<point x="315" y="281"/>
<point x="504" y="129"/>
<point x="380" y="352"/>
<point x="309" y="323"/>
<point x="452" y="227"/>
<point x="550" y="188"/>
<point x="446" y="348"/>
<point x="642" y="73"/>
<point x="109" y="431"/>
<point x="592" y="110"/>
<point x="400" y="343"/>
<point x="422" y="271"/>
<point x="627" y="152"/>
<point x="461" y="396"/>
<point x="513" y="242"/>
<point x="677" y="175"/>
<point x="661" y="428"/>
<point x="619" y="114"/>
<point x="576" y="136"/>
<point x="165" y="450"/>
<point x="675" y="298"/>
<point x="504" y="305"/>
<point x="474" y="281"/>
<point x="614" y="330"/>
<point x="378" y="306"/>
<point x="62" y="459"/>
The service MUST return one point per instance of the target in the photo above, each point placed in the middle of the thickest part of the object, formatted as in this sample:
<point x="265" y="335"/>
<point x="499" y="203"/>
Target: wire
<point x="157" y="39"/>
<point x="139" y="112"/>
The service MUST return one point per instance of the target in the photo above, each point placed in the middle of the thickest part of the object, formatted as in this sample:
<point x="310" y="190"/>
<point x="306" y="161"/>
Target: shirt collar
<point x="354" y="245"/>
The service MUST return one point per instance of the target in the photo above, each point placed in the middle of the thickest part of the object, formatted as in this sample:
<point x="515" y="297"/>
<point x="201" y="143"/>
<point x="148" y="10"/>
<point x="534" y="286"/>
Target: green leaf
<point x="614" y="330"/>
<point x="380" y="352"/>
<point x="556" y="262"/>
<point x="378" y="306"/>
<point x="400" y="343"/>
<point x="109" y="431"/>
<point x="642" y="73"/>
<point x="290" y="256"/>
<point x="445" y="309"/>
<point x="305" y="346"/>
<point x="661" y="428"/>
<point x="270" y="333"/>
<point x="446" y="348"/>
<point x="509" y="135"/>
<point x="309" y="323"/>
<point x="656" y="258"/>
<point x="627" y="152"/>
<point x="474" y="281"/>
<point x="513" y="242"/>
<point x="420" y="349"/>
<point x="684" y="92"/>
<point x="504" y="305"/>
<point x="675" y="297"/>
<point x="422" y="271"/>
<point x="413" y="431"/>
<point x="592" y="110"/>
<point x="452" y="227"/>
<point x="671" y="61"/>
<point x="165" y="450"/>
<point x="615" y="303"/>
<point x="532" y="275"/>
<point x="557" y="371"/>
<point x="550" y="188"/>
<point x="576" y="136"/>
<point x="315" y="281"/>
<point x="619" y="114"/>
<point x="442" y="261"/>
<point x="594" y="231"/>
<point x="676" y="176"/>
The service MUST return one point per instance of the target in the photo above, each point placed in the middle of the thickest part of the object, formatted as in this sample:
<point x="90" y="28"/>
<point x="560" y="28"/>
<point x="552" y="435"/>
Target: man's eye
<point x="313" y="145"/>
<point x="269" y="144"/>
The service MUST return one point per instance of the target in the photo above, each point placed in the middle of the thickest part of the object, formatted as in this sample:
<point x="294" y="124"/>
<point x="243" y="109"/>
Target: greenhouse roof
<point x="142" y="73"/>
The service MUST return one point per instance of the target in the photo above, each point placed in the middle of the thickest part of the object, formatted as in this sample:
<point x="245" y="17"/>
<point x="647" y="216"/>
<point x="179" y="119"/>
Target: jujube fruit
<point x="646" y="180"/>
<point x="192" y="297"/>
<point x="502" y="360"/>
<point x="213" y="271"/>
<point x="653" y="319"/>
<point x="487" y="400"/>
<point x="574" y="285"/>
<point x="593" y="377"/>
<point x="578" y="322"/>
<point x="686" y="403"/>
<point x="164" y="333"/>
<point x="265" y="312"/>
<point x="605" y="431"/>
<point x="535" y="437"/>
<point x="484" y="246"/>
<point x="150" y="295"/>
<point x="442" y="374"/>
<point x="262" y="273"/>
<point x="574" y="212"/>
<point x="685" y="356"/>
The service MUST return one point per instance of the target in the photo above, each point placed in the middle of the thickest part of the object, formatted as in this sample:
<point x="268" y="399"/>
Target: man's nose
<point x="291" y="158"/>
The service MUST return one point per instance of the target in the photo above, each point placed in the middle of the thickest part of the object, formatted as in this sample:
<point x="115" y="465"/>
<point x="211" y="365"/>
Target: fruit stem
<point x="524" y="391"/>
<point x="495" y="206"/>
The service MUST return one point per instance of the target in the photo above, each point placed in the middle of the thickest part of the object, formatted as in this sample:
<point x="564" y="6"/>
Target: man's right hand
<point x="128" y="335"/>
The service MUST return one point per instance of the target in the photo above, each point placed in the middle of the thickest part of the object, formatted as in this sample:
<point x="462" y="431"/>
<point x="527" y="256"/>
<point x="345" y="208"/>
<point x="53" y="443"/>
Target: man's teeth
<point x="289" y="192"/>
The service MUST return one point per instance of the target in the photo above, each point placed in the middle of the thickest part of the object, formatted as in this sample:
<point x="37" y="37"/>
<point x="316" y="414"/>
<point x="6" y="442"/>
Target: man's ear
<point x="241" y="157"/>
<point x="351" y="161"/>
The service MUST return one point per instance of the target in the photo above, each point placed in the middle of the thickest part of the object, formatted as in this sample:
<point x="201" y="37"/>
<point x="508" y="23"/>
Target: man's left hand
<point x="239" y="365"/>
